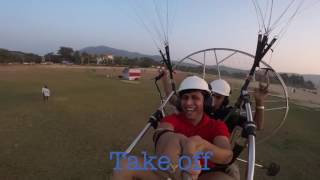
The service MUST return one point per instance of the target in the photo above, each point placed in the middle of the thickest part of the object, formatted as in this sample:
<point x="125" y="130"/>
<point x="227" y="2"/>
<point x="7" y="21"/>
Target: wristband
<point x="157" y="136"/>
<point x="157" y="131"/>
<point x="260" y="107"/>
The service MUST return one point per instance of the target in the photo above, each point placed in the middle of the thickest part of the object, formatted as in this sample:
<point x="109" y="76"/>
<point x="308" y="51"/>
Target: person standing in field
<point x="45" y="93"/>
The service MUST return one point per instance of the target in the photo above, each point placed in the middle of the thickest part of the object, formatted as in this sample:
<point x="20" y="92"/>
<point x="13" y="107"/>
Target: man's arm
<point x="169" y="144"/>
<point x="161" y="135"/>
<point x="260" y="94"/>
<point x="220" y="149"/>
<point x="259" y="115"/>
<point x="166" y="87"/>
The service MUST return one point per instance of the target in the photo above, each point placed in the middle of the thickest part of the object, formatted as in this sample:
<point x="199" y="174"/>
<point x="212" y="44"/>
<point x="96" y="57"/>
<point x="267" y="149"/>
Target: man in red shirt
<point x="193" y="131"/>
<point x="188" y="134"/>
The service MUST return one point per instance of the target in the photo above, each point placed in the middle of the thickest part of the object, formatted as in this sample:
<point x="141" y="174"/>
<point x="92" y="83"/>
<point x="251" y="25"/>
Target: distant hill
<point x="221" y="67"/>
<point x="116" y="52"/>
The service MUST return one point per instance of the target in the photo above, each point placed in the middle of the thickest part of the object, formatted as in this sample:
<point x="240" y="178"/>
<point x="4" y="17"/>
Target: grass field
<point x="89" y="115"/>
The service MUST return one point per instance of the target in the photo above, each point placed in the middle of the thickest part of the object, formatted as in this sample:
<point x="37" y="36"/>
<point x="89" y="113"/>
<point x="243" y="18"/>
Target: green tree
<point x="4" y="56"/>
<point x="117" y="60"/>
<point x="66" y="53"/>
<point x="77" y="57"/>
<point x="310" y="85"/>
<point x="85" y="58"/>
<point x="51" y="57"/>
<point x="145" y="62"/>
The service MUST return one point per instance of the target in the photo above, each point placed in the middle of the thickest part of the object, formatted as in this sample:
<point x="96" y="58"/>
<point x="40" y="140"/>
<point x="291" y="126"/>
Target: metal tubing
<point x="251" y="155"/>
<point x="137" y="139"/>
<point x="256" y="164"/>
<point x="272" y="169"/>
<point x="251" y="146"/>
<point x="167" y="100"/>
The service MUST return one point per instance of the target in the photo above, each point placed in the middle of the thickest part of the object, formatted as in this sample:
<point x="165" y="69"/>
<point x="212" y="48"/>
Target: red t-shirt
<point x="207" y="128"/>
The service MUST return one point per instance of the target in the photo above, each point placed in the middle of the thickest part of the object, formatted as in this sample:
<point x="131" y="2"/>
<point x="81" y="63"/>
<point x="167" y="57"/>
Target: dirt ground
<point x="89" y="114"/>
<point x="299" y="96"/>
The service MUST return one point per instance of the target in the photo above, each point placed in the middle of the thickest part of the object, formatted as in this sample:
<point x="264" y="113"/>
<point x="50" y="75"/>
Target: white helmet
<point x="194" y="82"/>
<point x="220" y="86"/>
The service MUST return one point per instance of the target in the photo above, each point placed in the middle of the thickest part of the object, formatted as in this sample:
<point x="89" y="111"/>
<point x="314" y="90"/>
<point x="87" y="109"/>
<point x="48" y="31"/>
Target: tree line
<point x="292" y="80"/>
<point x="7" y="56"/>
<point x="297" y="81"/>
<point x="70" y="56"/>
<point x="76" y="57"/>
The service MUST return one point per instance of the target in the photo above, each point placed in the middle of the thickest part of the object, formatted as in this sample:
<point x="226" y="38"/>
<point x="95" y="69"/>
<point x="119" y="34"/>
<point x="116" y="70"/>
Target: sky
<point x="42" y="26"/>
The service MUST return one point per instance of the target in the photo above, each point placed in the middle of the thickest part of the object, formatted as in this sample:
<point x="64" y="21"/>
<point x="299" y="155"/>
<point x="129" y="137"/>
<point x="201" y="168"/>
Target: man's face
<point x="192" y="105"/>
<point x="217" y="100"/>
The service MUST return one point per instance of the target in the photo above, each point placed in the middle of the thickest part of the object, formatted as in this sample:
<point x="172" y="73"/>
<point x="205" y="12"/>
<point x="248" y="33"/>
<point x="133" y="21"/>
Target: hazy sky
<point x="42" y="26"/>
